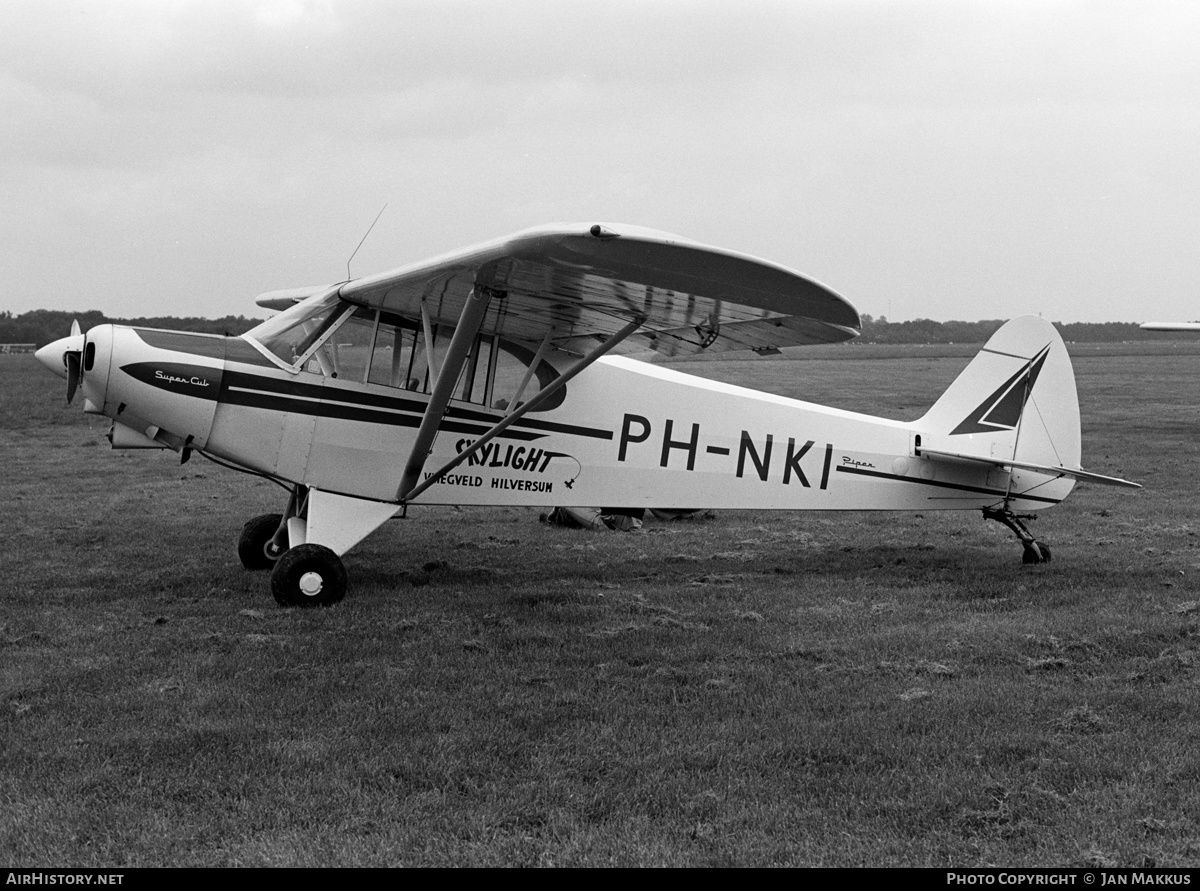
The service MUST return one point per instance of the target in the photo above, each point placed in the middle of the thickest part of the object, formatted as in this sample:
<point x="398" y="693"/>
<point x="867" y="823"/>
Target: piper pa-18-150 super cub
<point x="490" y="376"/>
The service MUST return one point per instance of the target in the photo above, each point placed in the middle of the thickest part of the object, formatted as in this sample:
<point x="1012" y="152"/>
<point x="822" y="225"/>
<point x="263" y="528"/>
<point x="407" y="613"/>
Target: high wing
<point x="578" y="284"/>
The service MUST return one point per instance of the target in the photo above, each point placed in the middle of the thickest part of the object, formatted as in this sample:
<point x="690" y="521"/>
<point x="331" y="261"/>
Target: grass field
<point x="750" y="689"/>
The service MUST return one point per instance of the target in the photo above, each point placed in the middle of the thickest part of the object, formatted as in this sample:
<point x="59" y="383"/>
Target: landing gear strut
<point x="304" y="575"/>
<point x="265" y="538"/>
<point x="1034" y="551"/>
<point x="308" y="541"/>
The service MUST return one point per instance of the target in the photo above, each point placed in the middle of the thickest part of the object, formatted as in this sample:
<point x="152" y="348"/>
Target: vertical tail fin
<point x="1015" y="401"/>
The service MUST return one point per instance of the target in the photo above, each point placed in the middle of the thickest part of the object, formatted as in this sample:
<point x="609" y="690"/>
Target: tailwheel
<point x="308" y="575"/>
<point x="1032" y="550"/>
<point x="257" y="547"/>
<point x="1035" y="552"/>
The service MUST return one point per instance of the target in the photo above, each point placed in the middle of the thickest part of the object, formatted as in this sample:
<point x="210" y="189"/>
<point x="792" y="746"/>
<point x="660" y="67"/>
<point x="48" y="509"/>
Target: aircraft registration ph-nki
<point x="493" y="376"/>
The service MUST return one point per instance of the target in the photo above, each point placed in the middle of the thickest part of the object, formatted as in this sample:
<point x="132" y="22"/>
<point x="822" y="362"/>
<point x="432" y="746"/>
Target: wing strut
<point x="427" y="328"/>
<point x="504" y="423"/>
<point x="537" y="360"/>
<point x="444" y="382"/>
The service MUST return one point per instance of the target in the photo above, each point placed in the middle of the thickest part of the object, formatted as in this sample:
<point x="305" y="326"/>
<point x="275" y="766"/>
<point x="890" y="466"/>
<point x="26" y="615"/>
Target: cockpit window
<point x="365" y="346"/>
<point x="346" y="353"/>
<point x="398" y="359"/>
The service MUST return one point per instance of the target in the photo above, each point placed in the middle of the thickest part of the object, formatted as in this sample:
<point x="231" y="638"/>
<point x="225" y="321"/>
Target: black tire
<point x="1035" y="552"/>
<point x="253" y="546"/>
<point x="308" y="575"/>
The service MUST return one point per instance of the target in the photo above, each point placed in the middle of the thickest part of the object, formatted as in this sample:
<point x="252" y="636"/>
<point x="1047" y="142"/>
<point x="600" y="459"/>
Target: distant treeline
<point x="928" y="331"/>
<point x="43" y="325"/>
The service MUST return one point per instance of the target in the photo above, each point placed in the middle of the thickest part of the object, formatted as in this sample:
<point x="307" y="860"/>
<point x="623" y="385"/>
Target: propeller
<point x="65" y="358"/>
<point x="74" y="364"/>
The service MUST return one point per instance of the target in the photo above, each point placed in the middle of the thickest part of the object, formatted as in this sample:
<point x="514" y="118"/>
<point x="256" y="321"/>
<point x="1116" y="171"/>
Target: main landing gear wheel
<point x="308" y="575"/>
<point x="256" y="547"/>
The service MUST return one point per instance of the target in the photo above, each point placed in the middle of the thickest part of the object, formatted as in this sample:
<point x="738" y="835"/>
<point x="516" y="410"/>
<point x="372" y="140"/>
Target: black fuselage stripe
<point x="271" y="392"/>
<point x="348" y="412"/>
<point x="997" y="493"/>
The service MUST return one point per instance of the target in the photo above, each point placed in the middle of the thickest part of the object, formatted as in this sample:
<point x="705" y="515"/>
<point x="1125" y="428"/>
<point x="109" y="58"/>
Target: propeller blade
<point x="73" y="361"/>
<point x="75" y="332"/>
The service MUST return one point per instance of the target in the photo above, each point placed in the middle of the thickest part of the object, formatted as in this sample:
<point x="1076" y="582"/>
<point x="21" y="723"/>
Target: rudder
<point x="1015" y="400"/>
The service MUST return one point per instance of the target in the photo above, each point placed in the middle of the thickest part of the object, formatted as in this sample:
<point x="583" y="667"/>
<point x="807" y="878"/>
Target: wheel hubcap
<point x="311" y="584"/>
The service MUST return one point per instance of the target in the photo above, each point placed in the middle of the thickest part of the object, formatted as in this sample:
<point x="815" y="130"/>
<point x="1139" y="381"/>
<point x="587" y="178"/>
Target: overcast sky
<point x="926" y="159"/>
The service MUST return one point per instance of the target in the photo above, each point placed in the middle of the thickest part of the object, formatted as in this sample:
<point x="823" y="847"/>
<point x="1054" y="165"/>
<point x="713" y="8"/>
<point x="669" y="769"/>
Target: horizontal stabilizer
<point x="1073" y="473"/>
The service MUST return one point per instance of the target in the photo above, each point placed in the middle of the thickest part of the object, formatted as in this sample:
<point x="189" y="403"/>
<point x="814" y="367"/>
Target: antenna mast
<point x="364" y="238"/>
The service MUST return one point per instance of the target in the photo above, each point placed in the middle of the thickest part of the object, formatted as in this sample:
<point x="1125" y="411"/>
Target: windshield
<point x="291" y="334"/>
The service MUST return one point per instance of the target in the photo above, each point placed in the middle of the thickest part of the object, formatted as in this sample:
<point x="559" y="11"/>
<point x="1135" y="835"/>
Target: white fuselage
<point x="625" y="434"/>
